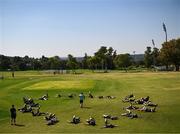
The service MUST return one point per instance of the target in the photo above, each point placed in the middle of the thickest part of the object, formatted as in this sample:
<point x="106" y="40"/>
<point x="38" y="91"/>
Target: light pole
<point x="153" y="53"/>
<point x="165" y="30"/>
<point x="134" y="52"/>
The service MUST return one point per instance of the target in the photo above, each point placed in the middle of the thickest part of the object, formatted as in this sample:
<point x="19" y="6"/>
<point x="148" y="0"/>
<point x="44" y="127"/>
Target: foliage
<point x="122" y="61"/>
<point x="170" y="53"/>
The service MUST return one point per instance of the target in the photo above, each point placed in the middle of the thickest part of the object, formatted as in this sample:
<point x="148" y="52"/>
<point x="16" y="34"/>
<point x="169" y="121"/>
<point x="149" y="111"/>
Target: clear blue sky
<point x="60" y="27"/>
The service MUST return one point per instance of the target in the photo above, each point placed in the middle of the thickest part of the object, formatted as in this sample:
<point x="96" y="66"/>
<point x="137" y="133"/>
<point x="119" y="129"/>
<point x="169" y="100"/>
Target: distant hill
<point x="138" y="57"/>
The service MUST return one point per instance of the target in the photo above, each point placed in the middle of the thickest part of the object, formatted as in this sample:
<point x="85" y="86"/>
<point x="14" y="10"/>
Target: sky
<point x="62" y="27"/>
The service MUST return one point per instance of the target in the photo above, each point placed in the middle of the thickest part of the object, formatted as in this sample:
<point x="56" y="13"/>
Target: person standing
<point x="81" y="97"/>
<point x="13" y="115"/>
<point x="13" y="74"/>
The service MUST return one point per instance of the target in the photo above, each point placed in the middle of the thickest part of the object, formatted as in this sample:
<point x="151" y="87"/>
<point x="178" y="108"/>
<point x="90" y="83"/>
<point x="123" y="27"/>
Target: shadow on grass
<point x="19" y="125"/>
<point x="86" y="108"/>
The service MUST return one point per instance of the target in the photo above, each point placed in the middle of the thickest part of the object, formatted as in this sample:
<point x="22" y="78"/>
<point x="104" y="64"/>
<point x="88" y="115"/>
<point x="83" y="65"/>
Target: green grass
<point x="163" y="88"/>
<point x="61" y="85"/>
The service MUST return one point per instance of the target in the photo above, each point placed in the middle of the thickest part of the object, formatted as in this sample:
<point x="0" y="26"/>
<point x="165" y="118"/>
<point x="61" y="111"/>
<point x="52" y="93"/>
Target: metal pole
<point x="134" y="57"/>
<point x="165" y="30"/>
<point x="153" y="53"/>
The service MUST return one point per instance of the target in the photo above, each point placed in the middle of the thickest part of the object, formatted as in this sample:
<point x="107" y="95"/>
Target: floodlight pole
<point x="165" y="30"/>
<point x="134" y="52"/>
<point x="153" y="53"/>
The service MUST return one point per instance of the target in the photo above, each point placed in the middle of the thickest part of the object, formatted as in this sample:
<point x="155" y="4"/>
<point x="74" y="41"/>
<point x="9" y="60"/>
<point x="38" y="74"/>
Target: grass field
<point x="163" y="89"/>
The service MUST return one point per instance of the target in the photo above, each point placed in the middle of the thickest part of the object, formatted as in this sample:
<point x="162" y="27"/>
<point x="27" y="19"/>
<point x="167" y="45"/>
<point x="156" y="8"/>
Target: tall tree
<point x="45" y="64"/>
<point x="55" y="62"/>
<point x="110" y="64"/>
<point x="85" y="62"/>
<point x="72" y="63"/>
<point x="155" y="54"/>
<point x="170" y="53"/>
<point x="5" y="62"/>
<point x="123" y="61"/>
<point x="101" y="54"/>
<point x="148" y="58"/>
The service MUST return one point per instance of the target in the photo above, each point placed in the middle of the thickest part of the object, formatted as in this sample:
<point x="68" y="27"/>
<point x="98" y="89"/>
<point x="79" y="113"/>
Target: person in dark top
<point x="81" y="97"/>
<point x="13" y="115"/>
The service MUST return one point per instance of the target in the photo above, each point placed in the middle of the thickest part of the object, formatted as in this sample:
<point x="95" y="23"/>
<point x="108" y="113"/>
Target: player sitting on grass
<point x="91" y="121"/>
<point x="75" y="120"/>
<point x="129" y="114"/>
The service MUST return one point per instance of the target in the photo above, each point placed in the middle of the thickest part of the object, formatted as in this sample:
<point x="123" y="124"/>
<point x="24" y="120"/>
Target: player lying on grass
<point x="107" y="97"/>
<point x="30" y="101"/>
<point x="107" y="124"/>
<point x="75" y="120"/>
<point x="36" y="112"/>
<point x="149" y="103"/>
<point x="131" y="107"/>
<point x="71" y="95"/>
<point x="91" y="121"/>
<point x="129" y="114"/>
<point x="110" y="97"/>
<point x="25" y="109"/>
<point x="147" y="109"/>
<point x="51" y="119"/>
<point x="108" y="116"/>
<point x="129" y="98"/>
<point x="58" y="96"/>
<point x="142" y="100"/>
<point x="90" y="95"/>
<point x="44" y="97"/>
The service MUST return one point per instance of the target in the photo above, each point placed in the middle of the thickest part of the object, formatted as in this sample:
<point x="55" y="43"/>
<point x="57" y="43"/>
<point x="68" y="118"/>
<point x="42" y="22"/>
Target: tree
<point x="72" y="63"/>
<point x="93" y="62"/>
<point x="148" y="58"/>
<point x="110" y="64"/>
<point x="170" y="53"/>
<point x="55" y="62"/>
<point x="17" y="63"/>
<point x="155" y="54"/>
<point x="85" y="62"/>
<point x="122" y="61"/>
<point x="45" y="64"/>
<point x="4" y="62"/>
<point x="101" y="55"/>
<point x="36" y="63"/>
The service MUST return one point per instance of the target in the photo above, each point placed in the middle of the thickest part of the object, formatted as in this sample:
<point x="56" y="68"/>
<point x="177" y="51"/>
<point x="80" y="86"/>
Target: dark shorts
<point x="81" y="101"/>
<point x="13" y="116"/>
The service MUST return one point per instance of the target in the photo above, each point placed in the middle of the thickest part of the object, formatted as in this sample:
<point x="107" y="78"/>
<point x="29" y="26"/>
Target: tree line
<point x="105" y="58"/>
